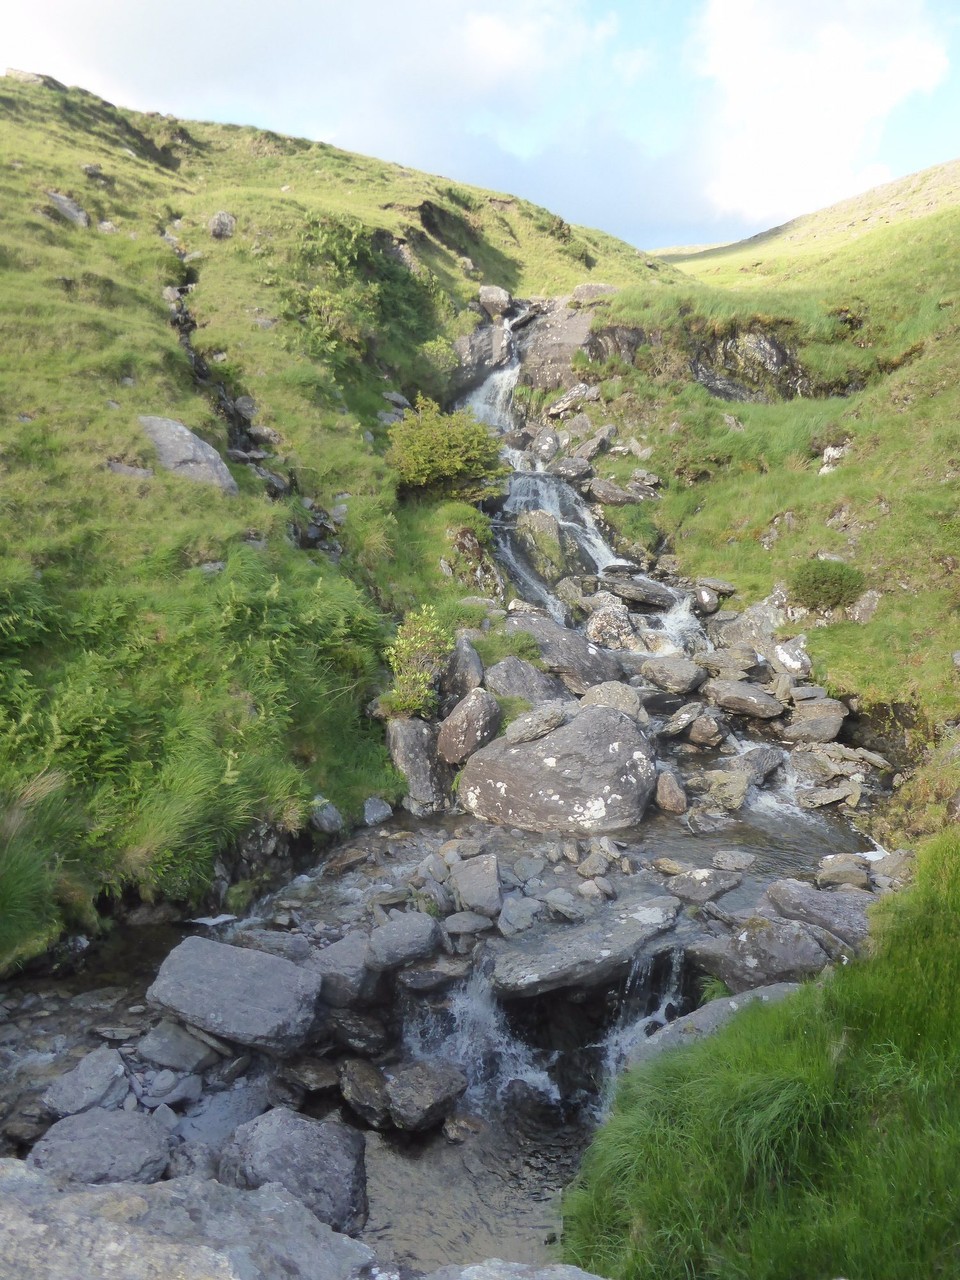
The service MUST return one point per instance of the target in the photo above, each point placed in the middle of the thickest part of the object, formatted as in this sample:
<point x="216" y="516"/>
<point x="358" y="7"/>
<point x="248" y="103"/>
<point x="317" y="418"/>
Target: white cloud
<point x="800" y="93"/>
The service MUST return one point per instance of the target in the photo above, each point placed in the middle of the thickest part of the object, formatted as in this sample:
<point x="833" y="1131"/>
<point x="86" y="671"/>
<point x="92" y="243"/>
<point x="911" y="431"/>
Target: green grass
<point x="818" y="1138"/>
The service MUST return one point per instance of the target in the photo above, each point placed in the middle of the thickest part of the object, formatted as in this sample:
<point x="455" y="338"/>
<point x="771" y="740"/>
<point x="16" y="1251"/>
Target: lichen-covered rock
<point x="413" y="749"/>
<point x="594" y="774"/>
<point x="185" y="454"/>
<point x="676" y="675"/>
<point x="742" y="698"/>
<point x="472" y="723"/>
<point x="515" y="678"/>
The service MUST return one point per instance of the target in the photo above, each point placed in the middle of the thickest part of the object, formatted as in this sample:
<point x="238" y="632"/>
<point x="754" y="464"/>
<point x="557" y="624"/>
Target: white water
<point x="471" y="1032"/>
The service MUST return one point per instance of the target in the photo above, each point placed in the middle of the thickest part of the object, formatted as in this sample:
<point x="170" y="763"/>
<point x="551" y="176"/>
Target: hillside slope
<point x="179" y="663"/>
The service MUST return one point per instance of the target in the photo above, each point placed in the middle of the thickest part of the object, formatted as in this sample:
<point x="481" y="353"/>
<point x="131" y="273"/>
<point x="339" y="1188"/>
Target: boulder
<point x="817" y="721"/>
<point x="708" y="730"/>
<point x="676" y="675"/>
<point x="742" y="698"/>
<point x="842" y="914"/>
<point x="364" y="1090"/>
<point x="702" y="885"/>
<point x="463" y="671"/>
<point x="222" y="225"/>
<point x="761" y="951"/>
<point x="496" y="1269"/>
<point x="188" y="1228"/>
<point x="582" y="955"/>
<point x="99" y="1080"/>
<point x="611" y="627"/>
<point x="551" y="550"/>
<point x="423" y="1094"/>
<point x="534" y="724"/>
<point x="185" y="454"/>
<point x="104" y="1146"/>
<point x="249" y="997"/>
<point x="613" y="693"/>
<point x="376" y="809"/>
<point x="515" y="678"/>
<point x="410" y="935"/>
<point x="594" y="774"/>
<point x="346" y="980"/>
<point x="579" y="663"/>
<point x="638" y="589"/>
<point x="710" y="1017"/>
<point x="670" y="795"/>
<point x="476" y="885"/>
<point x="472" y="723"/>
<point x="68" y="209"/>
<point x="413" y="749"/>
<point x="573" y="470"/>
<point x="610" y="493"/>
<point x="320" y="1162"/>
<point x="170" y="1045"/>
<point x="494" y="300"/>
<point x="518" y="913"/>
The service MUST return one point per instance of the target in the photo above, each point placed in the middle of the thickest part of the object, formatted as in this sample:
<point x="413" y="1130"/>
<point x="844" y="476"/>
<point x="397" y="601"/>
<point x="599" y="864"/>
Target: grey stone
<point x="466" y="922"/>
<point x="842" y="914"/>
<point x="743" y="698"/>
<point x="347" y="981"/>
<point x="104" y="1146"/>
<point x="463" y="671"/>
<point x="99" y="1080"/>
<point x="248" y="997"/>
<point x="609" y="625"/>
<point x="188" y="1228"/>
<point x="517" y="914"/>
<point x="423" y="1094"/>
<point x="320" y="1162"/>
<point x="733" y="860"/>
<point x="579" y="663"/>
<point x="708" y="730"/>
<point x="817" y="721"/>
<point x="564" y="906"/>
<point x="212" y="1120"/>
<point x="222" y="225"/>
<point x="702" y="1022"/>
<point x="681" y="720"/>
<point x="184" y="1089"/>
<point x="594" y="774"/>
<point x="515" y="678"/>
<point x="413" y="749"/>
<point x="702" y="885"/>
<point x="583" y="955"/>
<point x="325" y="817"/>
<point x="670" y="795"/>
<point x="614" y="693"/>
<point x="364" y="1090"/>
<point x="538" y="722"/>
<point x="375" y="811"/>
<point x="496" y="1269"/>
<point x="276" y="942"/>
<point x="494" y="300"/>
<point x="411" y="936"/>
<point x="472" y="723"/>
<point x="761" y="951"/>
<point x="185" y="454"/>
<point x="843" y="870"/>
<point x="476" y="885"/>
<point x="676" y="675"/>
<point x="69" y="210"/>
<point x="638" y="589"/>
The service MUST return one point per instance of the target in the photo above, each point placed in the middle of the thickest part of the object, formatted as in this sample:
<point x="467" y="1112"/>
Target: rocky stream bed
<point x="393" y="1062"/>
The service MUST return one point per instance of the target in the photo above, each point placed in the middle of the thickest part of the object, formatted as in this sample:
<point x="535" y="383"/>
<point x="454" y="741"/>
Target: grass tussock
<point x="819" y="1137"/>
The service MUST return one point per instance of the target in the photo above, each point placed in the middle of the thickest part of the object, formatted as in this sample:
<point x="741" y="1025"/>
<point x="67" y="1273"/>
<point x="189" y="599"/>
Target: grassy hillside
<point x="172" y="664"/>
<point x="864" y="298"/>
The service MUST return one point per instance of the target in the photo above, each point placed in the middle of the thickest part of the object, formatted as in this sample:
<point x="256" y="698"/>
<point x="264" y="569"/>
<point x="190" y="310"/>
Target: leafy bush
<point x="415" y="659"/>
<point x="446" y="452"/>
<point x="825" y="584"/>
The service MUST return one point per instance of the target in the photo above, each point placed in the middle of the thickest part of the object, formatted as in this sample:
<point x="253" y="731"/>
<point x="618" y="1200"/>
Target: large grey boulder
<point x="68" y="209"/>
<point x="578" y="663"/>
<point x="548" y="546"/>
<point x="476" y="885"/>
<point x="320" y="1162"/>
<point x="99" y="1080"/>
<point x="515" y="678"/>
<point x="183" y="453"/>
<point x="638" y="589"/>
<point x="463" y="671"/>
<point x="472" y="723"/>
<point x="494" y="300"/>
<point x="817" y="721"/>
<point x="413" y="748"/>
<point x="742" y="698"/>
<point x="581" y="955"/>
<point x="347" y="981"/>
<point x="249" y="997"/>
<point x="594" y="774"/>
<point x="676" y="675"/>
<point x="187" y="1228"/>
<point x="842" y="914"/>
<point x="104" y="1146"/>
<point x="222" y="225"/>
<point x="534" y="724"/>
<point x="760" y="951"/>
<point x="423" y="1094"/>
<point x="412" y="935"/>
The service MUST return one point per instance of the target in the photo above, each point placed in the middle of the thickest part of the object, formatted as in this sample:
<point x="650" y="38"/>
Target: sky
<point x="664" y="122"/>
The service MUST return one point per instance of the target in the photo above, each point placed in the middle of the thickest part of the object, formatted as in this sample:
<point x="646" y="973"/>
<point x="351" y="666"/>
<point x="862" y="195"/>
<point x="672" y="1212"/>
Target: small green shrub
<point x="415" y="659"/>
<point x="446" y="452"/>
<point x="825" y="584"/>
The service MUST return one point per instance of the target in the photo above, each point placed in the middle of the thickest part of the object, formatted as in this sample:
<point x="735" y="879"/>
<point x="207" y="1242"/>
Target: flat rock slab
<point x="343" y="966"/>
<point x="185" y="454"/>
<point x="705" y="1021"/>
<point x="702" y="885"/>
<point x="104" y="1146"/>
<point x="842" y="914"/>
<point x="580" y="955"/>
<point x="592" y="775"/>
<point x="169" y="1045"/>
<point x="743" y="698"/>
<point x="320" y="1162"/>
<point x="249" y="997"/>
<point x="189" y="1228"/>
